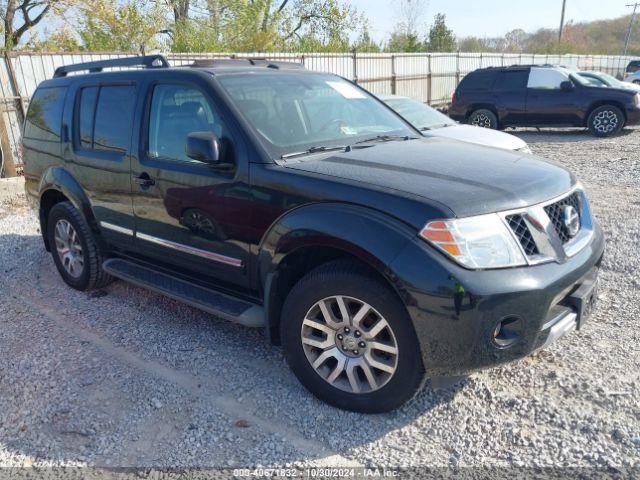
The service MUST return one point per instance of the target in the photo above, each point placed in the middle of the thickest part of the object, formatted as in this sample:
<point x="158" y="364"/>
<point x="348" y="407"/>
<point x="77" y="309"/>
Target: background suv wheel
<point x="349" y="340"/>
<point x="484" y="118"/>
<point x="605" y="121"/>
<point x="74" y="250"/>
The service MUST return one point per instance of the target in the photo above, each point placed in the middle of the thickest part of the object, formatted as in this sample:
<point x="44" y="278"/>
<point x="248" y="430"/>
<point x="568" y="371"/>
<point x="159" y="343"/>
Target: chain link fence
<point x="428" y="77"/>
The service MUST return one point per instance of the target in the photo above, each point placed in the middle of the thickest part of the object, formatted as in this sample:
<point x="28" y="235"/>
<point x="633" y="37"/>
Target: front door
<point x="187" y="213"/>
<point x="547" y="103"/>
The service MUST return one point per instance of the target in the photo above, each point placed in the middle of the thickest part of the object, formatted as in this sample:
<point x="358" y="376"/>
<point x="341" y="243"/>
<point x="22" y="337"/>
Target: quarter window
<point x="44" y="118"/>
<point x="176" y="111"/>
<point x="88" y="98"/>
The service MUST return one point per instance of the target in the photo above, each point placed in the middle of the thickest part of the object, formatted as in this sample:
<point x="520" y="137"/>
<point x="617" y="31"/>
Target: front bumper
<point x="633" y="115"/>
<point x="455" y="311"/>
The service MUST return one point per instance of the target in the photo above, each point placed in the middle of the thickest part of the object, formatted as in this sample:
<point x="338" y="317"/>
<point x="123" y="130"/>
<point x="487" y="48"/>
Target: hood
<point x="481" y="136"/>
<point x="469" y="179"/>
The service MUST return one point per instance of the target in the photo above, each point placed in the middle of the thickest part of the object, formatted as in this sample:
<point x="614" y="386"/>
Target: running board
<point x="219" y="304"/>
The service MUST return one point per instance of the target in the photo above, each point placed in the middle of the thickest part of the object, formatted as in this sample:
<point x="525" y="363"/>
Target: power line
<point x="633" y="17"/>
<point x="564" y="4"/>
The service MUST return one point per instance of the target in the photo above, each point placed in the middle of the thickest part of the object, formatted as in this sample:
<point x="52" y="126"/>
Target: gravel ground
<point x="123" y="377"/>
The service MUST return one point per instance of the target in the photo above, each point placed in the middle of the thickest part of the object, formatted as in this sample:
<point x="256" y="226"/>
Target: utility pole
<point x="564" y="4"/>
<point x="633" y="17"/>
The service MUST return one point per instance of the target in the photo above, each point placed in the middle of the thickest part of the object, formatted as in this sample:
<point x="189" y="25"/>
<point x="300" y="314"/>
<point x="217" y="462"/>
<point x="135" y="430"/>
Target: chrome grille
<point x="522" y="233"/>
<point x="554" y="211"/>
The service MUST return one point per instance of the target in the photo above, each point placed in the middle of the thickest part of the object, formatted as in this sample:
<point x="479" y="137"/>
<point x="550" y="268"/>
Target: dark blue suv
<point x="537" y="96"/>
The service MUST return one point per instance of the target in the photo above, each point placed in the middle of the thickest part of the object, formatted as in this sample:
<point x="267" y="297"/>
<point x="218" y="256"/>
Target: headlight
<point x="475" y="242"/>
<point x="636" y="99"/>
<point x="525" y="149"/>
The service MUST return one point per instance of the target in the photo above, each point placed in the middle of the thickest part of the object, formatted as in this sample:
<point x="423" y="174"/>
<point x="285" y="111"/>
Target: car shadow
<point x="122" y="377"/>
<point x="567" y="135"/>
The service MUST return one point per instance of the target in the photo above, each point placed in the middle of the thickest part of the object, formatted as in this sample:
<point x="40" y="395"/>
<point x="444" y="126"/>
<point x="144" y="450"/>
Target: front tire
<point x="349" y="340"/>
<point x="74" y="250"/>
<point x="605" y="121"/>
<point x="484" y="118"/>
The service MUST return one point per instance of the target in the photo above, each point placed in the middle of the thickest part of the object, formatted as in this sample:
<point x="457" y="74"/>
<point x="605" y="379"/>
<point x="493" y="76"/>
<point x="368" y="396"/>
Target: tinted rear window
<point x="87" y="110"/>
<point x="512" y="80"/>
<point x="478" y="80"/>
<point x="44" y="118"/>
<point x="113" y="118"/>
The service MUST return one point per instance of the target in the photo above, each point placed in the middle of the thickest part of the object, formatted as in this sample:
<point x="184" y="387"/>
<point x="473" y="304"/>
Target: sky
<point x="491" y="18"/>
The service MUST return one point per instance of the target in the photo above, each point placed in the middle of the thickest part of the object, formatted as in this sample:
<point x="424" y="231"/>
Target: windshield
<point x="420" y="115"/>
<point x="298" y="112"/>
<point x="593" y="80"/>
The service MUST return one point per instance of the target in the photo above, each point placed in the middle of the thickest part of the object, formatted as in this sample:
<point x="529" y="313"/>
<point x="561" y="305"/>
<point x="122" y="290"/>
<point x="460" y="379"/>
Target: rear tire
<point x="483" y="118"/>
<point x="74" y="249"/>
<point x="605" y="121"/>
<point x="349" y="376"/>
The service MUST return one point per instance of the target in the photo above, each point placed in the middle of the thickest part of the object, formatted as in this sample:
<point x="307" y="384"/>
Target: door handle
<point x="144" y="180"/>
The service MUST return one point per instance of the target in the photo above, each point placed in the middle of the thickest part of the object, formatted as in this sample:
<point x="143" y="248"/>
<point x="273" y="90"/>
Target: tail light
<point x="454" y="97"/>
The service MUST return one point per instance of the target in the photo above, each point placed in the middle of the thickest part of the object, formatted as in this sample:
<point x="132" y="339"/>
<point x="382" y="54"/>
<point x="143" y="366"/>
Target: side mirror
<point x="203" y="147"/>
<point x="567" y="86"/>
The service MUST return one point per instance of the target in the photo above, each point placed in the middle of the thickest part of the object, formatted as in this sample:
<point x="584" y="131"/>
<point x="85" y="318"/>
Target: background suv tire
<point x="483" y="118"/>
<point x="350" y="341"/>
<point x="74" y="249"/>
<point x="605" y="120"/>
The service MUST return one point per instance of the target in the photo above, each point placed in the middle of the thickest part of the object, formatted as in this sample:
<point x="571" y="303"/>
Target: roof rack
<point x="149" y="61"/>
<point x="246" y="62"/>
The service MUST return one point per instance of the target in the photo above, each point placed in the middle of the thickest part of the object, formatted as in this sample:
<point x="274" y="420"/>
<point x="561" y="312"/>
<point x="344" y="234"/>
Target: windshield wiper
<point x="435" y="127"/>
<point x="385" y="138"/>
<point x="315" y="149"/>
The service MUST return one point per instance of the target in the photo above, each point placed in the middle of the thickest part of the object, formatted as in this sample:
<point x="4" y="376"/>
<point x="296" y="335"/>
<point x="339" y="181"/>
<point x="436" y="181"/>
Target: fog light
<point x="508" y="331"/>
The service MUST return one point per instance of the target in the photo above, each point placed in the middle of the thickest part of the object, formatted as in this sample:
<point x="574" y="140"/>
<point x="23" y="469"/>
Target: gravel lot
<point x="124" y="377"/>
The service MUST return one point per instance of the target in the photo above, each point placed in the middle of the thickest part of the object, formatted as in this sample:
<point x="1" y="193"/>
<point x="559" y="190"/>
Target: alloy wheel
<point x="605" y="121"/>
<point x="69" y="248"/>
<point x="349" y="344"/>
<point x="481" y="121"/>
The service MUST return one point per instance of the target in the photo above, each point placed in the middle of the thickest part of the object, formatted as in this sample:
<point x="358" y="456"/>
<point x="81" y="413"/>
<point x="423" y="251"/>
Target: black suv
<point x="277" y="197"/>
<point x="542" y="96"/>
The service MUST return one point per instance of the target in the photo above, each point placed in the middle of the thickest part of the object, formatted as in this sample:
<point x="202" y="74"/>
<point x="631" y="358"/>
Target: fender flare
<point x="367" y="234"/>
<point x="60" y="180"/>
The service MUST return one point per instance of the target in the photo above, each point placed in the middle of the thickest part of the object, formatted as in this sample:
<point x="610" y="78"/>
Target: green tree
<point x="441" y="38"/>
<point x="364" y="42"/>
<point x="111" y="25"/>
<point x="20" y="16"/>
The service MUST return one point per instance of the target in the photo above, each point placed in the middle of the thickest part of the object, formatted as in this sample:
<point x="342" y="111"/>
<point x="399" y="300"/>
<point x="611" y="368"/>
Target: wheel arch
<point x="601" y="103"/>
<point x="314" y="235"/>
<point x="479" y="106"/>
<point x="58" y="185"/>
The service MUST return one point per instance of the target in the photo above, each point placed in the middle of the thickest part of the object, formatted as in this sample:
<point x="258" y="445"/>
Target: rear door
<point x="547" y="103"/>
<point x="510" y="96"/>
<point x="191" y="216"/>
<point x="99" y="154"/>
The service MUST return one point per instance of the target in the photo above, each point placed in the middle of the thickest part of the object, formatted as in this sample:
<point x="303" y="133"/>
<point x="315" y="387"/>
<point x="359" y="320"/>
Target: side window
<point x="512" y="80"/>
<point x="478" y="80"/>
<point x="105" y="118"/>
<point x="176" y="111"/>
<point x="88" y="97"/>
<point x="114" y="118"/>
<point x="44" y="118"/>
<point x="546" y="78"/>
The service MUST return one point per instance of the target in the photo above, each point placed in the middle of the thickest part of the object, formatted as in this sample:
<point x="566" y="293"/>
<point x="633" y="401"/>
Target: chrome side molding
<point x="216" y="257"/>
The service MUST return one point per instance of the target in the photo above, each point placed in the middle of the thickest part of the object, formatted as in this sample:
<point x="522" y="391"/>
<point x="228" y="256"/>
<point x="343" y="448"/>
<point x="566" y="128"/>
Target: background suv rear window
<point x="478" y="80"/>
<point x="512" y="80"/>
<point x="44" y="118"/>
